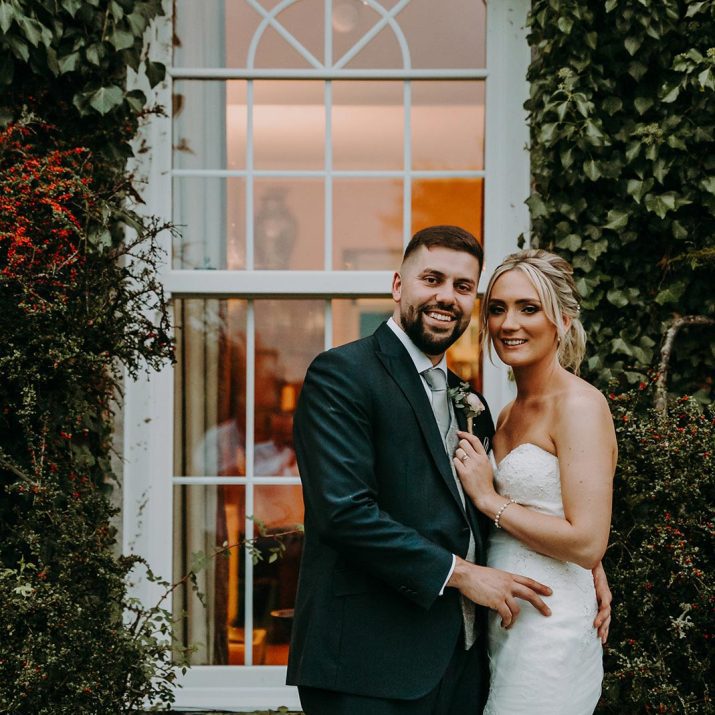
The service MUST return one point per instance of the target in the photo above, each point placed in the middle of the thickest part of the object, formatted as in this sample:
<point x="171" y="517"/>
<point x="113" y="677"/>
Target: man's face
<point x="435" y="292"/>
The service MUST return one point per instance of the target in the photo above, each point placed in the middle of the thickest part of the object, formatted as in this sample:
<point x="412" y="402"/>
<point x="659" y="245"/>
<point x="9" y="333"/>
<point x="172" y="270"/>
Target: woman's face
<point x="519" y="329"/>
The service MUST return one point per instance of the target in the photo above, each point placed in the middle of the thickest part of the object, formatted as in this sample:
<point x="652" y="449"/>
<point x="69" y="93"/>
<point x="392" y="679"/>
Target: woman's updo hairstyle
<point x="552" y="277"/>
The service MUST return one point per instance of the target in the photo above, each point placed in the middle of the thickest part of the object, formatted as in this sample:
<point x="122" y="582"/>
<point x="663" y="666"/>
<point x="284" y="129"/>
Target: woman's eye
<point x="530" y="309"/>
<point x="495" y="309"/>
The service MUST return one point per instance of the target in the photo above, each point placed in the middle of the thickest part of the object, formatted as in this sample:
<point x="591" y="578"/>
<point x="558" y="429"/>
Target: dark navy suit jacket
<point x="382" y="519"/>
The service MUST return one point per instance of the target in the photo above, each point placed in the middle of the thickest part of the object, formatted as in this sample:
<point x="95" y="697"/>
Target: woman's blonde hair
<point x="552" y="277"/>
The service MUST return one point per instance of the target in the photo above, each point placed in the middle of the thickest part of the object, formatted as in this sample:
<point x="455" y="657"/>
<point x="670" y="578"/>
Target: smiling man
<point x="434" y="293"/>
<point x="385" y="617"/>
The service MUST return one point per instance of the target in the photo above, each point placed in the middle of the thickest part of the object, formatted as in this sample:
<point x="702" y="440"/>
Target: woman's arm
<point x="585" y="443"/>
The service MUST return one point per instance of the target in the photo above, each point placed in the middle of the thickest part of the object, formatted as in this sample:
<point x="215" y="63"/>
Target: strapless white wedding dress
<point x="542" y="665"/>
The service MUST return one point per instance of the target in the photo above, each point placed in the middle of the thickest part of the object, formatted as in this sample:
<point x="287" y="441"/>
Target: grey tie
<point x="437" y="381"/>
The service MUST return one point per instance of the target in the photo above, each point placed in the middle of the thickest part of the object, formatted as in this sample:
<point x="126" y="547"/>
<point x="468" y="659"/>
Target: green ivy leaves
<point x="622" y="109"/>
<point x="87" y="43"/>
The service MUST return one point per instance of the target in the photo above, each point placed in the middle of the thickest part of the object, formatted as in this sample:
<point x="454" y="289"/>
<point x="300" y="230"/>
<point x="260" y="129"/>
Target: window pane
<point x="368" y="125"/>
<point x="204" y="518"/>
<point x="449" y="201"/>
<point x="367" y="224"/>
<point x="210" y="217"/>
<point x="359" y="317"/>
<point x="383" y="50"/>
<point x="289" y="334"/>
<point x="209" y="124"/>
<point x="280" y="509"/>
<point x="447" y="34"/>
<point x="210" y="387"/>
<point x="465" y="356"/>
<point x="288" y="125"/>
<point x="304" y="21"/>
<point x="288" y="224"/>
<point x="210" y="382"/>
<point x="448" y="125"/>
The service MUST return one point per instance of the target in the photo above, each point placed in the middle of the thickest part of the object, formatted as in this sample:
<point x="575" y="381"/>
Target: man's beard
<point x="428" y="343"/>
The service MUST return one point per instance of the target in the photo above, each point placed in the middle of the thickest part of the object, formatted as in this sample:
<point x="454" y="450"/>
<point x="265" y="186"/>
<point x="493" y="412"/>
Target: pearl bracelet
<point x="501" y="511"/>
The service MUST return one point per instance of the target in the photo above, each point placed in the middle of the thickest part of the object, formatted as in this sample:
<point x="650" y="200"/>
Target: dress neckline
<point x="522" y="445"/>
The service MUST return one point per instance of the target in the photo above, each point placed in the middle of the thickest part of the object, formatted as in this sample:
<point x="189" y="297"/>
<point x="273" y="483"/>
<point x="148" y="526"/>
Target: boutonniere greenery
<point x="467" y="401"/>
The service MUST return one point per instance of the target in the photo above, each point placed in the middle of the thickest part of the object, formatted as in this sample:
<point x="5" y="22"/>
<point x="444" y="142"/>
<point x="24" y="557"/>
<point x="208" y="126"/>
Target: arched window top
<point x="331" y="36"/>
<point x="344" y="20"/>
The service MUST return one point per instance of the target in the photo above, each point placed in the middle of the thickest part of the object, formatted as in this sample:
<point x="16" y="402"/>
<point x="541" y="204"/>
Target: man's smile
<point x="440" y="316"/>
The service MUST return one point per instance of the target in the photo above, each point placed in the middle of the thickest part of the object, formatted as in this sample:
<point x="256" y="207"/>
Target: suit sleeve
<point x="335" y="450"/>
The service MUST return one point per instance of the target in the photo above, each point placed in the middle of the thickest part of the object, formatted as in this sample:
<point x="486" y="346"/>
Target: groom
<point x="385" y="621"/>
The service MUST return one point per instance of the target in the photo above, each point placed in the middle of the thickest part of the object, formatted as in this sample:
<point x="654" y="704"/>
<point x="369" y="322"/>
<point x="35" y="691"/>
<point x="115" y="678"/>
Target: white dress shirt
<point x="422" y="363"/>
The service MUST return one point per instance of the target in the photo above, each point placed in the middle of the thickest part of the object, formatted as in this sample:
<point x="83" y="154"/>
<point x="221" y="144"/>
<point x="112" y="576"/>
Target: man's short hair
<point x="453" y="237"/>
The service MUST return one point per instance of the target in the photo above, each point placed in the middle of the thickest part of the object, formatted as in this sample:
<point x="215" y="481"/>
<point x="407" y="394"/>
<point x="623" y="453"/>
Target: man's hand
<point x="603" y="597"/>
<point x="498" y="590"/>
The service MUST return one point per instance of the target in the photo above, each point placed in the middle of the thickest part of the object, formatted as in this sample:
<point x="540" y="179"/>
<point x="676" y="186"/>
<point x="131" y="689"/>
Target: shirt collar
<point x="420" y="360"/>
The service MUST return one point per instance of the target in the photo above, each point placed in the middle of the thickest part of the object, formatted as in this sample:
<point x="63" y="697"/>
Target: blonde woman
<point x="547" y="490"/>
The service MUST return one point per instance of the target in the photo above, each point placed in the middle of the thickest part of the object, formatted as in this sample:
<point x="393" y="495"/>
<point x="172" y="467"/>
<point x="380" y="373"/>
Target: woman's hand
<point x="475" y="472"/>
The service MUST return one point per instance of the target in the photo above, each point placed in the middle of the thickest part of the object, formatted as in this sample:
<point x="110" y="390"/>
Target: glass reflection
<point x="205" y="518"/>
<point x="279" y="509"/>
<point x="448" y="125"/>
<point x="368" y="125"/>
<point x="210" y="218"/>
<point x="288" y="124"/>
<point x="355" y="318"/>
<point x="367" y="224"/>
<point x="210" y="439"/>
<point x="289" y="334"/>
<point x="210" y="387"/>
<point x="454" y="201"/>
<point x="288" y="224"/>
<point x="449" y="34"/>
<point x="209" y="124"/>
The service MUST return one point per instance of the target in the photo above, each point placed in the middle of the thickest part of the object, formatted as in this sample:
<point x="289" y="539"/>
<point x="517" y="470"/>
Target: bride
<point x="548" y="492"/>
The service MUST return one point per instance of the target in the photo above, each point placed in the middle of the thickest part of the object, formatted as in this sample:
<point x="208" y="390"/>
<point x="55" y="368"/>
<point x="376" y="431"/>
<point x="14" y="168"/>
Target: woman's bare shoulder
<point x="581" y="395"/>
<point x="582" y="410"/>
<point x="504" y="414"/>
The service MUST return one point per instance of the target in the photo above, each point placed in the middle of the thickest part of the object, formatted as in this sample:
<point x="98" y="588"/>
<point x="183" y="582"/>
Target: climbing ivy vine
<point x="622" y="111"/>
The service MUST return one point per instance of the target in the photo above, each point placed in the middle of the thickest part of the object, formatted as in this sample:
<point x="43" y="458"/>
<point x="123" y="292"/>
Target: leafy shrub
<point x="660" y="561"/>
<point x="622" y="112"/>
<point x="75" y="306"/>
<point x="68" y="60"/>
<point x="79" y="302"/>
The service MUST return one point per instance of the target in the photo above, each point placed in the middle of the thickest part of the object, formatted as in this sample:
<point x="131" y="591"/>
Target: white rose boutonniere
<point x="467" y="401"/>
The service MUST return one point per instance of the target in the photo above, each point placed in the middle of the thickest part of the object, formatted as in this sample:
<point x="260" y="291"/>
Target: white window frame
<point x="148" y="408"/>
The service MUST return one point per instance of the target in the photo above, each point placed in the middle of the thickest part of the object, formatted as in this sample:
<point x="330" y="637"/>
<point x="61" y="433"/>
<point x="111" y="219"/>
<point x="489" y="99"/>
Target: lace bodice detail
<point x="530" y="475"/>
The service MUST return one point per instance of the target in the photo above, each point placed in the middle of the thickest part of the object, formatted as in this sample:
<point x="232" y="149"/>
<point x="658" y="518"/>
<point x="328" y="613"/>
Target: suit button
<point x="465" y="530"/>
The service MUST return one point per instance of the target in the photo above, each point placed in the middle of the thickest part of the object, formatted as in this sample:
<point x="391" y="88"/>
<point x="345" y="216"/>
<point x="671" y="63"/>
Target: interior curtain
<point x="199" y="517"/>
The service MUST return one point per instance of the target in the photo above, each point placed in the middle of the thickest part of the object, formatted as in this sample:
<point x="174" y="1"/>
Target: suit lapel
<point x="399" y="365"/>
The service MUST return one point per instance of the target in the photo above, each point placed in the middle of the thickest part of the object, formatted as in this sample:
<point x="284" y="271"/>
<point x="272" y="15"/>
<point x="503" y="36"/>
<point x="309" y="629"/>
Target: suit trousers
<point x="462" y="691"/>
